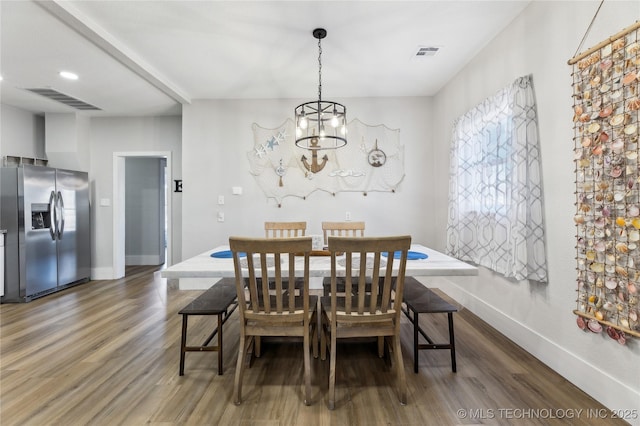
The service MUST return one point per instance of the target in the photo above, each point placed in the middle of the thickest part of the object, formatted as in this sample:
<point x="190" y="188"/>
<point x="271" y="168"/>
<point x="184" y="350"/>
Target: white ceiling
<point x="149" y="57"/>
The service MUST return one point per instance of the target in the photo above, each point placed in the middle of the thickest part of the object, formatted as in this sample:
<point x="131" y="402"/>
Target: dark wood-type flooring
<point x="106" y="353"/>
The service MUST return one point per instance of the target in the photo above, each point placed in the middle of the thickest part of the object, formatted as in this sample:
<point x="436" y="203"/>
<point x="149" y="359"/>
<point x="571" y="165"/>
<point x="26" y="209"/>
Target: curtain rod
<point x="614" y="37"/>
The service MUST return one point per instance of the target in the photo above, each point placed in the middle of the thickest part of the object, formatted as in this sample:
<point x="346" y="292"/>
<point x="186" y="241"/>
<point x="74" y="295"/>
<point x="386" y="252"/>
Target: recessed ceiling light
<point x="68" y="75"/>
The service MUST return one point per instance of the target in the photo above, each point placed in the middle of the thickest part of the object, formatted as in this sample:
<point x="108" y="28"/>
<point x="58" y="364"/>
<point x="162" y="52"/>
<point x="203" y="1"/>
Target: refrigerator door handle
<point x="61" y="216"/>
<point x="52" y="211"/>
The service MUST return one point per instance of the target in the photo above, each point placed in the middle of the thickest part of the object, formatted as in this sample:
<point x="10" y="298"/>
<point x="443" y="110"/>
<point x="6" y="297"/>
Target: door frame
<point x="119" y="181"/>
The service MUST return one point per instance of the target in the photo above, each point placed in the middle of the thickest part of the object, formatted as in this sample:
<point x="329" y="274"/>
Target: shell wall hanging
<point x="606" y="111"/>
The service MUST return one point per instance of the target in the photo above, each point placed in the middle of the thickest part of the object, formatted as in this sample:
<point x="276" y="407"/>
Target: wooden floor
<point x="106" y="353"/>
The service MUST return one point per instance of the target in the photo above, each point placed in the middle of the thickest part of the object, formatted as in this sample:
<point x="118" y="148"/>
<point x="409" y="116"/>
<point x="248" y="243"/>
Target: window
<point x="495" y="193"/>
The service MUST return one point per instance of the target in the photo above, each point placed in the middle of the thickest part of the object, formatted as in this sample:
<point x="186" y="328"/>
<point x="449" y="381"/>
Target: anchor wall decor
<point x="314" y="167"/>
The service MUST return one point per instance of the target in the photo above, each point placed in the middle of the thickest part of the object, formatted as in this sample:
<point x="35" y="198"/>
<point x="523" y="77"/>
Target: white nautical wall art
<point x="372" y="160"/>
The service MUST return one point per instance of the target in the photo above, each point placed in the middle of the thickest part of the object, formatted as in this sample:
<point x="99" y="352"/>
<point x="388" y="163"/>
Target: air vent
<point x="426" y="51"/>
<point x="65" y="99"/>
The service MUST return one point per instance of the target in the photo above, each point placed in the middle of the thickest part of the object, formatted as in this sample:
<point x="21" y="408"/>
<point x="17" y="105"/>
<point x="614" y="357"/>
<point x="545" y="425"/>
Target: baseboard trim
<point x="147" y="259"/>
<point x="102" y="273"/>
<point x="597" y="383"/>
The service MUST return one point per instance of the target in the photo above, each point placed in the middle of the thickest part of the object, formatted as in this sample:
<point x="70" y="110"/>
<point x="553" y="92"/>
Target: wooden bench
<point x="418" y="300"/>
<point x="421" y="300"/>
<point x="215" y="301"/>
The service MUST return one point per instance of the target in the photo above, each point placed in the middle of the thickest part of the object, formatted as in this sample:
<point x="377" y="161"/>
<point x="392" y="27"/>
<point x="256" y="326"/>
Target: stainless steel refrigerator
<point x="48" y="242"/>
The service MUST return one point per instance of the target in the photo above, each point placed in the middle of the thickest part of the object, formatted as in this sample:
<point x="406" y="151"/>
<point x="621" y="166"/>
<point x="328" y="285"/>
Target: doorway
<point x="145" y="224"/>
<point x="119" y="206"/>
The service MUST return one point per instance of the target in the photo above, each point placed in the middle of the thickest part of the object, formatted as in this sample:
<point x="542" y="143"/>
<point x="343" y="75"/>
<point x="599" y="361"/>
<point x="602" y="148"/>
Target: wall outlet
<point x="348" y="216"/>
<point x="220" y="200"/>
<point x="220" y="216"/>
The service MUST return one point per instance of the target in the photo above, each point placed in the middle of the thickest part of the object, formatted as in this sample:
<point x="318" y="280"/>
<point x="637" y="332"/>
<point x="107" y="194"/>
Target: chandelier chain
<point x="319" y="70"/>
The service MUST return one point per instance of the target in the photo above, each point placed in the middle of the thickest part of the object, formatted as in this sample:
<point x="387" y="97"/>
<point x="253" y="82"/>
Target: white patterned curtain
<point x="495" y="189"/>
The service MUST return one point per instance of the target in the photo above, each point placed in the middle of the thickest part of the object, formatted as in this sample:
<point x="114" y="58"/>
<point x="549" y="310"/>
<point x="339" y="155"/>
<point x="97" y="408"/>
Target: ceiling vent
<point x="425" y="51"/>
<point x="65" y="99"/>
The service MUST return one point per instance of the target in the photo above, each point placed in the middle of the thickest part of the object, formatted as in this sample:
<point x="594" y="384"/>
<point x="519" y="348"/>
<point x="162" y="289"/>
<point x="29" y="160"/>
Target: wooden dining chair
<point x="342" y="229"/>
<point x="278" y="311"/>
<point x="339" y="229"/>
<point x="361" y="313"/>
<point x="284" y="229"/>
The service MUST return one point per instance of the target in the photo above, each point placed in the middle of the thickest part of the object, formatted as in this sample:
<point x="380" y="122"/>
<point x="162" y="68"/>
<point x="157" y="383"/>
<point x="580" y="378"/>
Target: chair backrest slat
<point x="284" y="229"/>
<point x="265" y="281"/>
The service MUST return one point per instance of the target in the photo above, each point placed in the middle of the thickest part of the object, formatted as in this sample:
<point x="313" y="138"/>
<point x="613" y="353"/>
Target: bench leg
<point x="452" y="342"/>
<point x="220" y="344"/>
<point x="416" y="327"/>
<point x="183" y="342"/>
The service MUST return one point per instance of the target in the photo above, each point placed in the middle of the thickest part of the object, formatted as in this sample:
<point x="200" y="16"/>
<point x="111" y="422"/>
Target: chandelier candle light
<point x="321" y="124"/>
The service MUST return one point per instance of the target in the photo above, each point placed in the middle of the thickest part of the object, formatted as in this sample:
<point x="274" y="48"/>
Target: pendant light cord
<point x="588" y="29"/>
<point x="319" y="70"/>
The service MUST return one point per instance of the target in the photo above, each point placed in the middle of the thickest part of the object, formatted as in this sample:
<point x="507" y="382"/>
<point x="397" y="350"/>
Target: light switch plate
<point x="220" y="200"/>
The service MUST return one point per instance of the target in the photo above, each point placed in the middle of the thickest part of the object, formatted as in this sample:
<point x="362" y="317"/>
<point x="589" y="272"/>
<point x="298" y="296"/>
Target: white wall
<point x="21" y="133"/>
<point x="67" y="140"/>
<point x="539" y="316"/>
<point x="135" y="134"/>
<point x="217" y="136"/>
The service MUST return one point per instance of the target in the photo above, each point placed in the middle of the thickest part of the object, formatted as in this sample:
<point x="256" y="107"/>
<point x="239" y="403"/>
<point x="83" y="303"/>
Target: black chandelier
<point x="321" y="124"/>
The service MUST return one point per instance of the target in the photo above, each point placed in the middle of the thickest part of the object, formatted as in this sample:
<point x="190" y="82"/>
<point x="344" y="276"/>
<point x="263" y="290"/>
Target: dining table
<point x="202" y="271"/>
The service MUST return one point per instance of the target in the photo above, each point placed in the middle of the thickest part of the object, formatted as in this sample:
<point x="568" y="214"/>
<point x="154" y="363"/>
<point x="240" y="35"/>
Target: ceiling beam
<point x="110" y="45"/>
